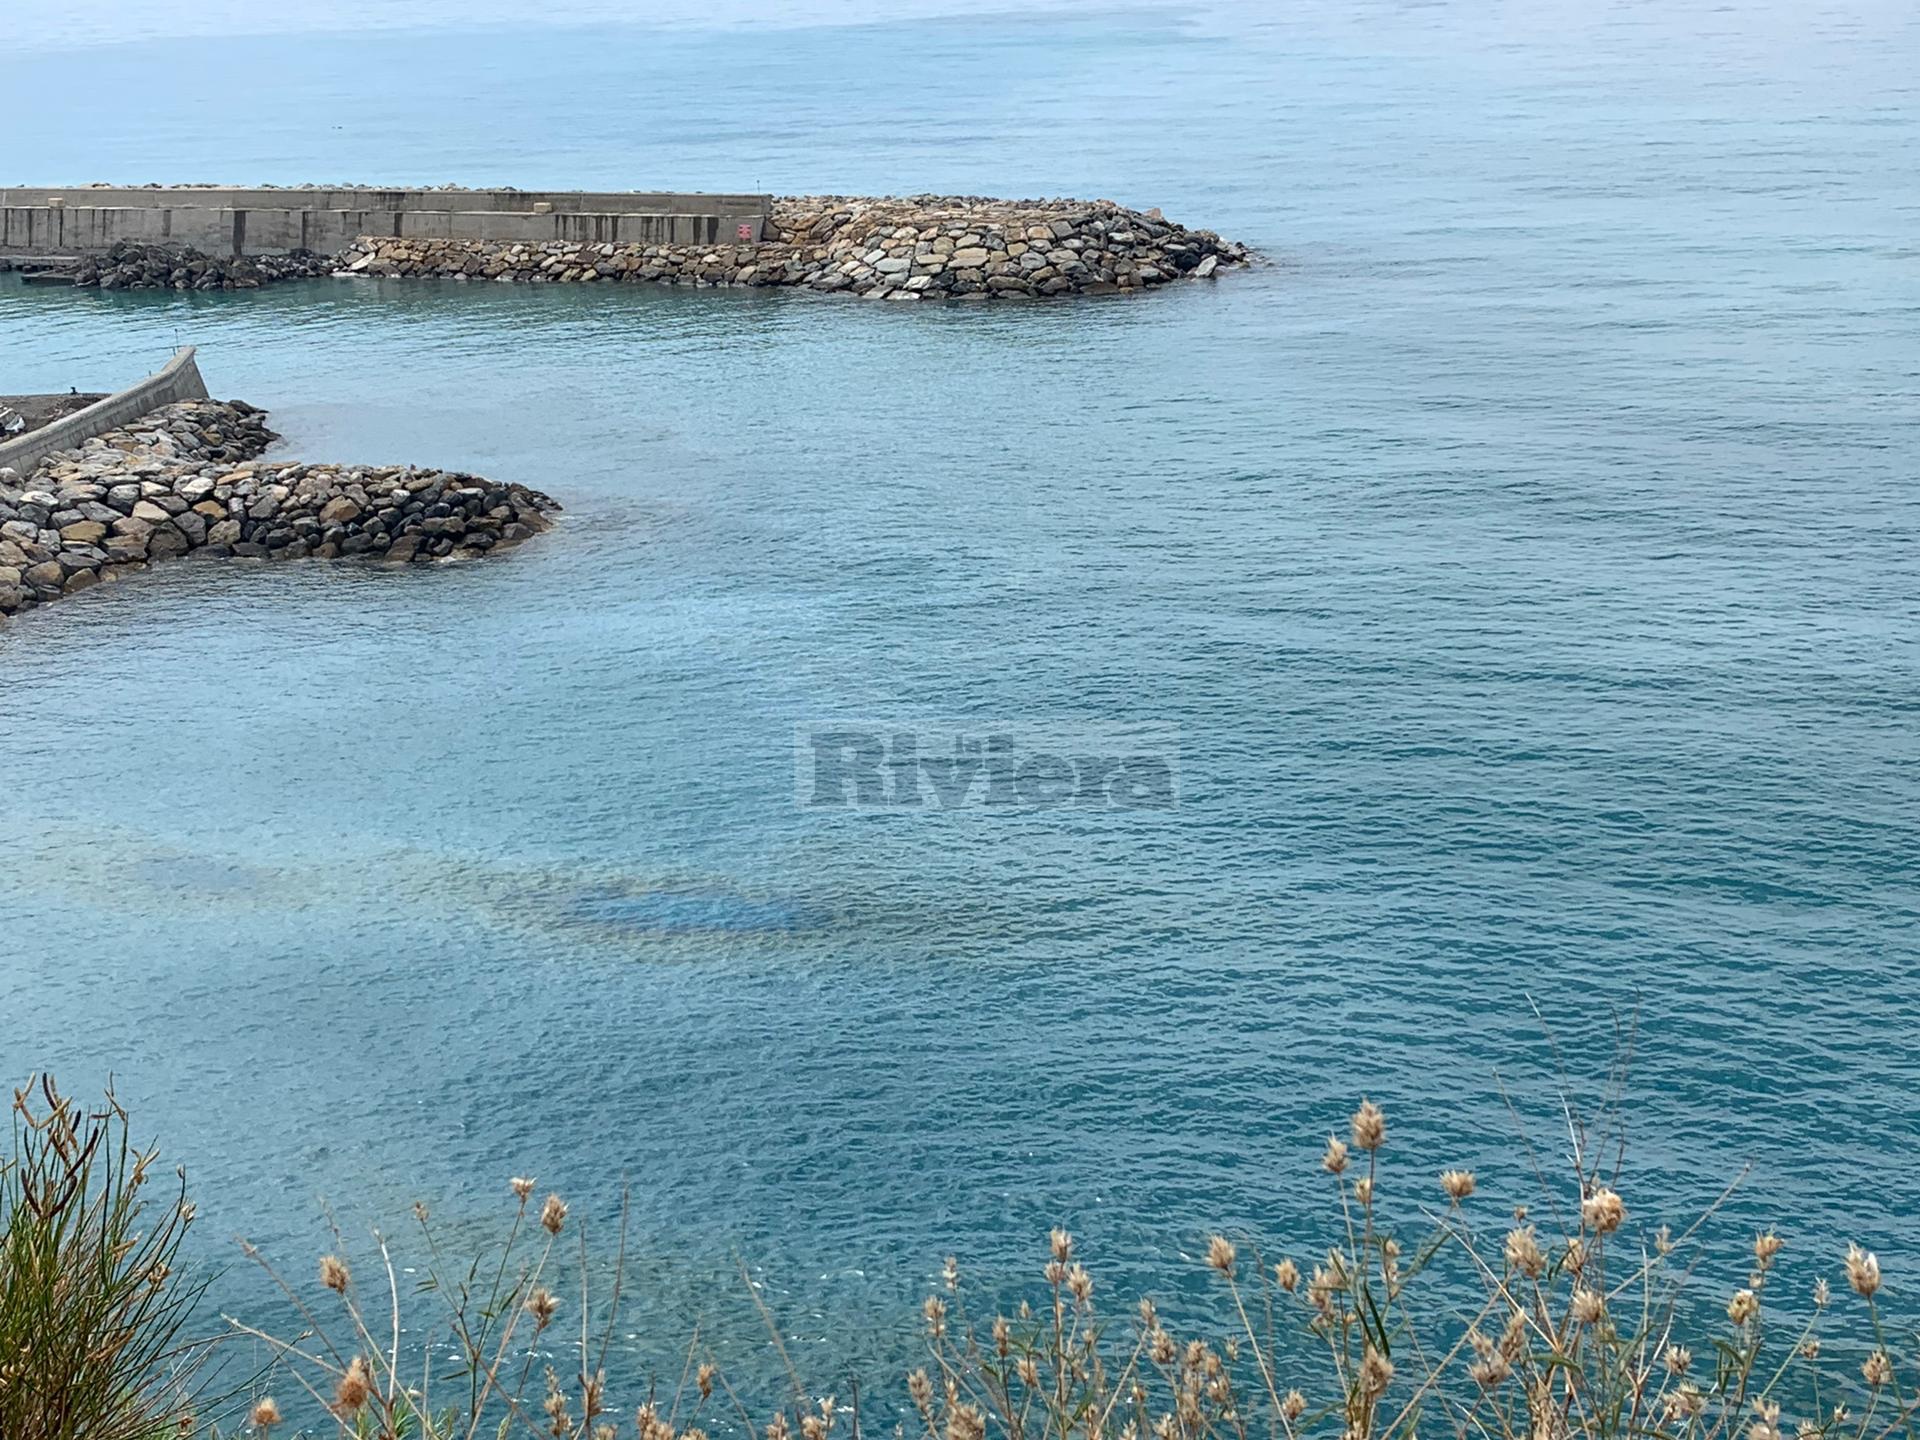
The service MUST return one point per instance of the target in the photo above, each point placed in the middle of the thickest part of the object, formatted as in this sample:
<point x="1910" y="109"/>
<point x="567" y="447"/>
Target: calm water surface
<point x="1526" y="557"/>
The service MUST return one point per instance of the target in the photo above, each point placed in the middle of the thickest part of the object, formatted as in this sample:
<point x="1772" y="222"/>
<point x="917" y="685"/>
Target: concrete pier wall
<point x="178" y="380"/>
<point x="224" y="221"/>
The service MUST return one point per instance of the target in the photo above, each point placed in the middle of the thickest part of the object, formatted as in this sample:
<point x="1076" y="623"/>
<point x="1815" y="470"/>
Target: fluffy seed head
<point x="1220" y="1254"/>
<point x="542" y="1306"/>
<point x="1294" y="1406"/>
<point x="1603" y="1211"/>
<point x="355" y="1386"/>
<point x="1743" y="1307"/>
<point x="265" y="1413"/>
<point x="1524" y="1253"/>
<point x="553" y="1214"/>
<point x="1369" y="1126"/>
<point x="1335" y="1160"/>
<point x="1588" y="1307"/>
<point x="522" y="1187"/>
<point x="1878" y="1370"/>
<point x="1863" y="1271"/>
<point x="1062" y="1245"/>
<point x="1678" y="1359"/>
<point x="1376" y="1371"/>
<point x="1363" y="1191"/>
<point x="1457" y="1183"/>
<point x="1079" y="1284"/>
<point x="334" y="1274"/>
<point x="1765" y="1247"/>
<point x="1287" y="1275"/>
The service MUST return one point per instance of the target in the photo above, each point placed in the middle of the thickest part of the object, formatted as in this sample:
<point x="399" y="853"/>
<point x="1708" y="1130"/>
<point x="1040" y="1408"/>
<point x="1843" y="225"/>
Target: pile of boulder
<point x="130" y="266"/>
<point x="912" y="248"/>
<point x="186" y="480"/>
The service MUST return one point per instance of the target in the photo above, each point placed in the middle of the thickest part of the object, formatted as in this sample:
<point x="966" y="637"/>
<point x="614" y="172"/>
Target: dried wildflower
<point x="965" y="1422"/>
<point x="1287" y="1275"/>
<point x="1678" y="1359"/>
<point x="1062" y="1244"/>
<point x="1822" y="1294"/>
<point x="355" y="1387"/>
<point x="1878" y="1369"/>
<point x="188" y="1210"/>
<point x="920" y="1391"/>
<point x="420" y="1211"/>
<point x="1588" y="1308"/>
<point x="542" y="1306"/>
<point x="777" y="1428"/>
<point x="1457" y="1183"/>
<point x="553" y="1214"/>
<point x="1220" y="1255"/>
<point x="1003" y="1336"/>
<point x="1524" y="1253"/>
<point x="1765" y="1246"/>
<point x="704" y="1378"/>
<point x="265" y="1414"/>
<point x="1293" y="1406"/>
<point x="1603" y="1211"/>
<point x="1743" y="1307"/>
<point x="1363" y="1191"/>
<point x="1369" y="1127"/>
<point x="1513" y="1339"/>
<point x="936" y="1312"/>
<point x="1810" y="1348"/>
<point x="522" y="1188"/>
<point x="950" y="1273"/>
<point x="1685" y="1402"/>
<point x="1489" y="1367"/>
<point x="1766" y="1424"/>
<point x="334" y="1274"/>
<point x="1079" y="1284"/>
<point x="1376" y="1370"/>
<point x="1663" y="1240"/>
<point x="1863" y="1271"/>
<point x="648" y="1425"/>
<point x="1029" y="1372"/>
<point x="1334" y="1162"/>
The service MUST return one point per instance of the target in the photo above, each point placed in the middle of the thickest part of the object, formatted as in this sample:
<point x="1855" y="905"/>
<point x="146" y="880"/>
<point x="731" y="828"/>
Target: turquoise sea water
<point x="1524" y="556"/>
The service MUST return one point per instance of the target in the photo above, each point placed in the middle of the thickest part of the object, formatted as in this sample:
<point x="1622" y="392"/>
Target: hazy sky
<point x="41" y="23"/>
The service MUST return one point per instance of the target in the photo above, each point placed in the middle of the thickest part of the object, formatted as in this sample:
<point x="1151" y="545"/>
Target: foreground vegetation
<point x="1432" y="1310"/>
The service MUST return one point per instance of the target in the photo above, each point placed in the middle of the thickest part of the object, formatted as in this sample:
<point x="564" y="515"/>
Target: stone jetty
<point x="922" y="247"/>
<point x="187" y="480"/>
<point x="128" y="266"/>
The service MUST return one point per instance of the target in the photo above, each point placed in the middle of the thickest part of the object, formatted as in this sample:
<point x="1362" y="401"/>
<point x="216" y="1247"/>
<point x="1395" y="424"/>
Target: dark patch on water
<point x="689" y="912"/>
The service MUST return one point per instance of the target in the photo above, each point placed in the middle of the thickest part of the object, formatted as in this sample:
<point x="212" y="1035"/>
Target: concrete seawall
<point x="223" y="220"/>
<point x="178" y="380"/>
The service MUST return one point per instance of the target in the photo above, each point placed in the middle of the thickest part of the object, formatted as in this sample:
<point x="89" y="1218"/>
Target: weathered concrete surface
<point x="178" y="380"/>
<point x="224" y="220"/>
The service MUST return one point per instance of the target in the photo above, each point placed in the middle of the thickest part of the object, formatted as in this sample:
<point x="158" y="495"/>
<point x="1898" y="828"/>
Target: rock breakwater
<point x="128" y="266"/>
<point x="911" y="248"/>
<point x="186" y="480"/>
